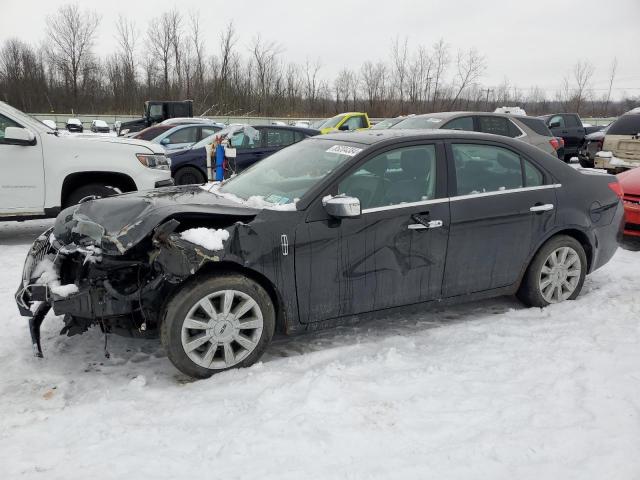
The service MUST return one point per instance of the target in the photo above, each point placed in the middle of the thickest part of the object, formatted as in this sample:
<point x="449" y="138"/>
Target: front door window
<point x="405" y="175"/>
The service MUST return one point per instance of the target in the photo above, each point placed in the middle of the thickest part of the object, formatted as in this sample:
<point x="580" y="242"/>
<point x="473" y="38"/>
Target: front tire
<point x="96" y="190"/>
<point x="217" y="323"/>
<point x="556" y="273"/>
<point x="189" y="176"/>
<point x="586" y="162"/>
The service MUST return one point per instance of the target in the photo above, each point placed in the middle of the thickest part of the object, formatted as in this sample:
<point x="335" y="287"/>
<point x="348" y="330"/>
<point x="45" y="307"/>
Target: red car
<point x="630" y="182"/>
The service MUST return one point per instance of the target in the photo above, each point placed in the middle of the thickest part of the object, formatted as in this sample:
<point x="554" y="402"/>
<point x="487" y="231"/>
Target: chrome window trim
<point x="406" y="205"/>
<point x="502" y="192"/>
<point x="459" y="197"/>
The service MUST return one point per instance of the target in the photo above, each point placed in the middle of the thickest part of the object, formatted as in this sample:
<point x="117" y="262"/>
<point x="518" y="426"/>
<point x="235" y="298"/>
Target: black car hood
<point x="118" y="223"/>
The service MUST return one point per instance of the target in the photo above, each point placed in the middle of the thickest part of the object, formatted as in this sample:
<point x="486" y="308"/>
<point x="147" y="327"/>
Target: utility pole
<point x="486" y="104"/>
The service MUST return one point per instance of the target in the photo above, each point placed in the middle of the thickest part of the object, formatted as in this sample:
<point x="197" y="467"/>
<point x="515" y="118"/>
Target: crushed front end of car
<point x="114" y="262"/>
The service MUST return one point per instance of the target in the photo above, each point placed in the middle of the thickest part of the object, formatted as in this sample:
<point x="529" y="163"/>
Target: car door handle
<point x="542" y="208"/>
<point x="425" y="225"/>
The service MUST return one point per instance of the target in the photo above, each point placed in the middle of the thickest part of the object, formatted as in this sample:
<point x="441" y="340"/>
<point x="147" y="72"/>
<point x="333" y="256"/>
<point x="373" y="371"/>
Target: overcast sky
<point x="531" y="43"/>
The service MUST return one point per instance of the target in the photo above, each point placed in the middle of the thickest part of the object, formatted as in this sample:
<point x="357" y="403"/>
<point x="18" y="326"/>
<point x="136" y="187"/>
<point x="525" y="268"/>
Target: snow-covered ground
<point x="489" y="390"/>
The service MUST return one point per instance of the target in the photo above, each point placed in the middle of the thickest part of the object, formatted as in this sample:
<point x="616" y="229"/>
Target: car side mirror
<point x="19" y="136"/>
<point x="555" y="124"/>
<point x="342" y="207"/>
<point x="165" y="141"/>
<point x="344" y="127"/>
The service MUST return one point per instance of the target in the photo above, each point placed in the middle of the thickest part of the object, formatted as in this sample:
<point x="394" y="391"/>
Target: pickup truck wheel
<point x="189" y="176"/>
<point x="585" y="162"/>
<point x="216" y="323"/>
<point x="96" y="190"/>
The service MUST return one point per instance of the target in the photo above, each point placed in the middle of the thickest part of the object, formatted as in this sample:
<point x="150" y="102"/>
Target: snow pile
<point x="209" y="238"/>
<point x="64" y="290"/>
<point x="486" y="390"/>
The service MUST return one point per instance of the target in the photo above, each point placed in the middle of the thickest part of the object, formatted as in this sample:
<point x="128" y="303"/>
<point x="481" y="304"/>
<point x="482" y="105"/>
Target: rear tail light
<point x="617" y="189"/>
<point x="555" y="143"/>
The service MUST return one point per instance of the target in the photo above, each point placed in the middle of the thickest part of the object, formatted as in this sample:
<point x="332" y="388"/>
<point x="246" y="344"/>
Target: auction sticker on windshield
<point x="345" y="150"/>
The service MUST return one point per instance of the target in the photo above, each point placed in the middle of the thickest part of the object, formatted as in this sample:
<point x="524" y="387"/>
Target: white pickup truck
<point x="42" y="172"/>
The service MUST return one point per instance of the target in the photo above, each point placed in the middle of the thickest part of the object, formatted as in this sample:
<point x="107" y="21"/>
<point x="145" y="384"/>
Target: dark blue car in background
<point x="252" y="144"/>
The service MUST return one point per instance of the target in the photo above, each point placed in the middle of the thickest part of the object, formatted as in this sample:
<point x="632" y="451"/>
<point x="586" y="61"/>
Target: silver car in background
<point x="531" y="130"/>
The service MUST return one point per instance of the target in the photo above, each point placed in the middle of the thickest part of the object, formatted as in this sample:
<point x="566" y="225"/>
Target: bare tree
<point x="159" y="43"/>
<point x="470" y="66"/>
<point x="175" y="28"/>
<point x="311" y="81"/>
<point x="612" y="77"/>
<point x="441" y="62"/>
<point x="267" y="69"/>
<point x="399" y="60"/>
<point x="71" y="34"/>
<point x="419" y="77"/>
<point x="582" y="73"/>
<point x="198" y="53"/>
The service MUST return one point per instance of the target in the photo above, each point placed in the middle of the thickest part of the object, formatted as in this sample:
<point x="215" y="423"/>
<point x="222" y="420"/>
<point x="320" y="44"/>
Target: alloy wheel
<point x="560" y="275"/>
<point x="222" y="329"/>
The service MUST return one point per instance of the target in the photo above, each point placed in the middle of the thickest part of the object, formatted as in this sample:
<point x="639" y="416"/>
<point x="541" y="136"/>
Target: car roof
<point x="311" y="131"/>
<point x="371" y="137"/>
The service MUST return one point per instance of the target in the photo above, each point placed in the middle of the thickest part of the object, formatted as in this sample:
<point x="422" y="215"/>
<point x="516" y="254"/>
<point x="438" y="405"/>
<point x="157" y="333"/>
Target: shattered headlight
<point x="156" y="160"/>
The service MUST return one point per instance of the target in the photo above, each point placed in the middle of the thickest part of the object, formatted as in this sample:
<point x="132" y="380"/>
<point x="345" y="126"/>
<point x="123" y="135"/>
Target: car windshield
<point x="288" y="174"/>
<point x="419" y="122"/>
<point x="331" y="123"/>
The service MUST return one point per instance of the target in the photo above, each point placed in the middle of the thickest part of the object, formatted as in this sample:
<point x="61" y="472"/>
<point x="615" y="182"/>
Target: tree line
<point x="172" y="61"/>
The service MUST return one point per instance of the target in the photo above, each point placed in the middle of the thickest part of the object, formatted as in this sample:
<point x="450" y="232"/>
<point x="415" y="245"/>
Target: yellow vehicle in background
<point x="345" y="122"/>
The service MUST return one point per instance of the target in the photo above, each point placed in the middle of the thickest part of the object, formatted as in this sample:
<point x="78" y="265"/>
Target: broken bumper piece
<point x="29" y="291"/>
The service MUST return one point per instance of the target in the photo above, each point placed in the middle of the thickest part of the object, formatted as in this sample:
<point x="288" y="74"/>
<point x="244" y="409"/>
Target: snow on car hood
<point x="118" y="223"/>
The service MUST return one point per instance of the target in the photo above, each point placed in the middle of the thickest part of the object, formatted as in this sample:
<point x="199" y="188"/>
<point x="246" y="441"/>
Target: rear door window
<point x="462" y="123"/>
<point x="537" y="125"/>
<point x="494" y="125"/>
<point x="277" y="137"/>
<point x="571" y="121"/>
<point x="184" y="135"/>
<point x="485" y="168"/>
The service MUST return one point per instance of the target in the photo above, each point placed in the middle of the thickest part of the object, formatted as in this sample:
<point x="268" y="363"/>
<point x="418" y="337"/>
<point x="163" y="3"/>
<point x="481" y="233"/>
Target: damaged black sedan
<point x="324" y="232"/>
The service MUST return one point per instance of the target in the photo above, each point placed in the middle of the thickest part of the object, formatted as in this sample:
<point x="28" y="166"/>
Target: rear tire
<point x="555" y="274"/>
<point x="216" y="323"/>
<point x="585" y="162"/>
<point x="96" y="190"/>
<point x="189" y="176"/>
